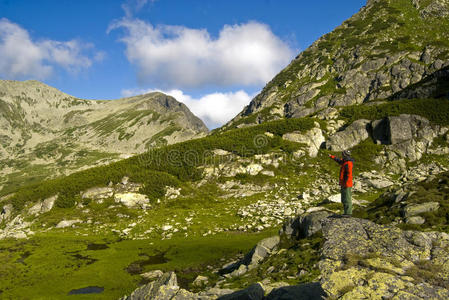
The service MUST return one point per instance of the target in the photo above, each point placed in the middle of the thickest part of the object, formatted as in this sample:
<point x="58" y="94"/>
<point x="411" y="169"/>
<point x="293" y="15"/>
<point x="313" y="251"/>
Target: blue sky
<point x="213" y="55"/>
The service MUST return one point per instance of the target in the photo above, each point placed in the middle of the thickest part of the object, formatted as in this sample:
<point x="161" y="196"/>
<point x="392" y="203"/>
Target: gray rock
<point x="350" y="137"/>
<point x="132" y="200"/>
<point x="67" y="223"/>
<point x="311" y="223"/>
<point x="416" y="209"/>
<point x="98" y="193"/>
<point x="165" y="287"/>
<point x="35" y="209"/>
<point x="200" y="281"/>
<point x="48" y="204"/>
<point x="262" y="250"/>
<point x="242" y="269"/>
<point x="306" y="291"/>
<point x="305" y="225"/>
<point x="361" y="259"/>
<point x="152" y="274"/>
<point x="253" y="292"/>
<point x="417" y="220"/>
<point x="379" y="183"/>
<point x="380" y="131"/>
<point x="313" y="139"/>
<point x="400" y="129"/>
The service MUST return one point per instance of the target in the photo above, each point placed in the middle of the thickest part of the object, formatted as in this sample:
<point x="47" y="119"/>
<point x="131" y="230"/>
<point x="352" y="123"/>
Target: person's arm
<point x="339" y="161"/>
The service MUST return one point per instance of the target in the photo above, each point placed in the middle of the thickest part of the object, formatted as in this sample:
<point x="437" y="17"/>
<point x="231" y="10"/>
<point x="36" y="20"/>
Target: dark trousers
<point x="346" y="199"/>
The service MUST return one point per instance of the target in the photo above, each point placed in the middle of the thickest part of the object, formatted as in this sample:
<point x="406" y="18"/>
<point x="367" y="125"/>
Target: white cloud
<point x="175" y="56"/>
<point x="132" y="6"/>
<point x="21" y="57"/>
<point x="214" y="109"/>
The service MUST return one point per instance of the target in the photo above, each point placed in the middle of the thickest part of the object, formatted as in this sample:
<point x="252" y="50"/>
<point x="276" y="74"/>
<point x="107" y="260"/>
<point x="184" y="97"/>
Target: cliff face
<point x="40" y="125"/>
<point x="386" y="47"/>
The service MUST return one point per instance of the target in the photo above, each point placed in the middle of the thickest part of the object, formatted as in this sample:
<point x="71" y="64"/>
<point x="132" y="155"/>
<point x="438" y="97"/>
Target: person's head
<point x="346" y="154"/>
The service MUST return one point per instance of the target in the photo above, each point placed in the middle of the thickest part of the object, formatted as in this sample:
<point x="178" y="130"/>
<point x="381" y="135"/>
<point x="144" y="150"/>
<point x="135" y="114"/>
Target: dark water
<point x="137" y="267"/>
<point x="87" y="290"/>
<point x="94" y="246"/>
<point x="89" y="260"/>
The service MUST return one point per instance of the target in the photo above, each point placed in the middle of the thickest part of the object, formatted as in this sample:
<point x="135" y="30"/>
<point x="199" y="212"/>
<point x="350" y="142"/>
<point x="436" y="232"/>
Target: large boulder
<point x="351" y="136"/>
<point x="363" y="260"/>
<point x="166" y="287"/>
<point x="262" y="250"/>
<point x="305" y="225"/>
<point x="313" y="139"/>
<point x="398" y="129"/>
<point x="98" y="193"/>
<point x="132" y="200"/>
<point x="43" y="206"/>
<point x="48" y="204"/>
<point x="67" y="223"/>
<point x="415" y="209"/>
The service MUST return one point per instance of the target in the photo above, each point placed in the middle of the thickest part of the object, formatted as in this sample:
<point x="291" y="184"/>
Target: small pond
<point x="87" y="290"/>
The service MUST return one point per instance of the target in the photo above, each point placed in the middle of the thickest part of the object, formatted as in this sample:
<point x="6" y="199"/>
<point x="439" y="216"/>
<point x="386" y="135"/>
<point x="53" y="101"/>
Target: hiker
<point x="346" y="163"/>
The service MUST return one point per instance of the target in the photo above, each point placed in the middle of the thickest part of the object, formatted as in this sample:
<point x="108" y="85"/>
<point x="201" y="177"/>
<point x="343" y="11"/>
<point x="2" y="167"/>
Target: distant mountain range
<point x="44" y="131"/>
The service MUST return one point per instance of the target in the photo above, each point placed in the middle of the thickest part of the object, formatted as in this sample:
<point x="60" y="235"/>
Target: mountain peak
<point x="381" y="50"/>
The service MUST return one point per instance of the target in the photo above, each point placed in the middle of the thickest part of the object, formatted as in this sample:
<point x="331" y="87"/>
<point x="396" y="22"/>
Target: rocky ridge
<point x="378" y="53"/>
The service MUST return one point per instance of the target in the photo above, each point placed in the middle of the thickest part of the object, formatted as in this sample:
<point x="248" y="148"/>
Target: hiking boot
<point x="346" y="216"/>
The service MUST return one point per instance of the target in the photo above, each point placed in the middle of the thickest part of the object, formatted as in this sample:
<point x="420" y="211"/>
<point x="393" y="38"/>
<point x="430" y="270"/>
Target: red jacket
<point x="345" y="171"/>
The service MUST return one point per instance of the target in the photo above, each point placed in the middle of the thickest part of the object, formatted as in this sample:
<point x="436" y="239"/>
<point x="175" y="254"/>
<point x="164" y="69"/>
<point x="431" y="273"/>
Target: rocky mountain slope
<point x="387" y="47"/>
<point x="41" y="127"/>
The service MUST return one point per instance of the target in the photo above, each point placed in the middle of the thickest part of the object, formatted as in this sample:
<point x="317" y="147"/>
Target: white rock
<point x="152" y="274"/>
<point x="220" y="152"/>
<point x="200" y="281"/>
<point x="167" y="227"/>
<point x="379" y="183"/>
<point x="132" y="199"/>
<point x="288" y="211"/>
<point x="67" y="223"/>
<point x="268" y="173"/>
<point x="98" y="193"/>
<point x="317" y="208"/>
<point x="35" y="209"/>
<point x="253" y="169"/>
<point x="19" y="235"/>
<point x="48" y="204"/>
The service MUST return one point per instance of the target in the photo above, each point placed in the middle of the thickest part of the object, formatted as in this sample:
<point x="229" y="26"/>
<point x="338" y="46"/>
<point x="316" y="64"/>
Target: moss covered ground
<point x="50" y="265"/>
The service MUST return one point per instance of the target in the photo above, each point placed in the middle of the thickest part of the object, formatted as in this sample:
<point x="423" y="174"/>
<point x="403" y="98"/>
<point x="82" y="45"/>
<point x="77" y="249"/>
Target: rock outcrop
<point x="350" y="137"/>
<point x="262" y="250"/>
<point x="304" y="225"/>
<point x="363" y="260"/>
<point x="406" y="136"/>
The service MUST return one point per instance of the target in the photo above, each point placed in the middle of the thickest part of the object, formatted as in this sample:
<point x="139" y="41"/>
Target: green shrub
<point x="435" y="110"/>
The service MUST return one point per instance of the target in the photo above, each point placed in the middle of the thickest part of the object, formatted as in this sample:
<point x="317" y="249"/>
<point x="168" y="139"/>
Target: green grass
<point x="298" y="255"/>
<point x="384" y="210"/>
<point x="180" y="160"/>
<point x="49" y="266"/>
